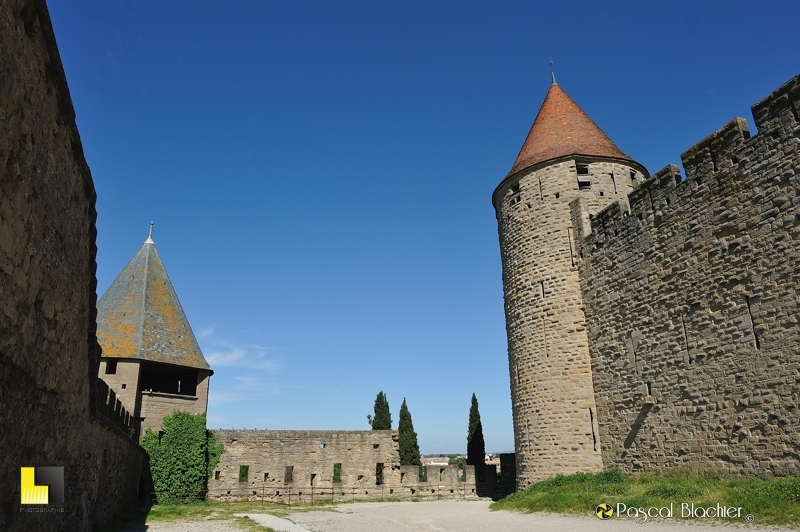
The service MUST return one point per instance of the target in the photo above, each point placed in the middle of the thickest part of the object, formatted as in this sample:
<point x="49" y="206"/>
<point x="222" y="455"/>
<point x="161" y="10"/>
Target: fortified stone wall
<point x="48" y="350"/>
<point x="691" y="297"/>
<point x="551" y="382"/>
<point x="291" y="466"/>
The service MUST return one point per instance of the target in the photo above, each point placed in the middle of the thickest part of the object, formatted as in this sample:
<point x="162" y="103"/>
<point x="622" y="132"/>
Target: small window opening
<point x="633" y="175"/>
<point x="323" y="445"/>
<point x="378" y="474"/>
<point x="244" y="473"/>
<point x="602" y="194"/>
<point x="584" y="184"/>
<point x="216" y="475"/>
<point x="360" y="477"/>
<point x="266" y="476"/>
<point x="313" y="479"/>
<point x="337" y="473"/>
<point x="557" y="195"/>
<point x="288" y="474"/>
<point x="111" y="367"/>
<point x="402" y="477"/>
<point x="376" y="445"/>
<point x="124" y="385"/>
<point x="752" y="321"/>
<point x="441" y="474"/>
<point x="582" y="168"/>
<point x="515" y="194"/>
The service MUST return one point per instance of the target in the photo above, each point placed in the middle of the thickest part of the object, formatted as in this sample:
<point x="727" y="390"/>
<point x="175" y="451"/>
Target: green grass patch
<point x="771" y="502"/>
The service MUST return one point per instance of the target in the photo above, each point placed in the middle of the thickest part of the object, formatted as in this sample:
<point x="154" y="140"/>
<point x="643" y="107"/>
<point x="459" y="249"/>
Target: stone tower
<point x="565" y="156"/>
<point x="150" y="354"/>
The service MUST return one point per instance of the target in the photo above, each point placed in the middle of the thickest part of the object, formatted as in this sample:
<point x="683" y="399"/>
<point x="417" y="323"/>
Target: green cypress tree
<point x="476" y="448"/>
<point x="409" y="447"/>
<point x="382" y="418"/>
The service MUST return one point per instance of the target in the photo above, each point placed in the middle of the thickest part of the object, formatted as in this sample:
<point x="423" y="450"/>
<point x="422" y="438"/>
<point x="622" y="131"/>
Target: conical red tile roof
<point x="562" y="128"/>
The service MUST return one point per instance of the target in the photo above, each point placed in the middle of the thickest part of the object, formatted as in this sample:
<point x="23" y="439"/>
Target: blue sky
<point x="320" y="173"/>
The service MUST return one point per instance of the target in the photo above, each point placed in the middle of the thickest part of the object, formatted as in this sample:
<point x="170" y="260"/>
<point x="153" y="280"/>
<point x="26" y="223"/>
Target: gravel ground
<point x="441" y="516"/>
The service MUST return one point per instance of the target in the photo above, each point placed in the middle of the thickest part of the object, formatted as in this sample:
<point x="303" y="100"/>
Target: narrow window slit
<point x="752" y="323"/>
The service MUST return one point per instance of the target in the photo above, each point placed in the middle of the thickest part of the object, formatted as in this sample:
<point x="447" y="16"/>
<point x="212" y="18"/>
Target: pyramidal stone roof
<point x="140" y="317"/>
<point x="562" y="128"/>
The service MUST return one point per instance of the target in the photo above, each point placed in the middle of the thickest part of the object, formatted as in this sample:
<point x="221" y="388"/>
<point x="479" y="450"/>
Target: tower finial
<point x="552" y="71"/>
<point x="150" y="236"/>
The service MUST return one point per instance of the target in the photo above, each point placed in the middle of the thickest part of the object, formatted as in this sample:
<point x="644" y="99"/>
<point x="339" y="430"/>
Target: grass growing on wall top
<point x="773" y="501"/>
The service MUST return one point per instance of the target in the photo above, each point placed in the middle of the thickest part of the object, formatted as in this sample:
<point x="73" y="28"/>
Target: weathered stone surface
<point x="311" y="455"/>
<point x="555" y="430"/>
<point x="48" y="350"/>
<point x="692" y="304"/>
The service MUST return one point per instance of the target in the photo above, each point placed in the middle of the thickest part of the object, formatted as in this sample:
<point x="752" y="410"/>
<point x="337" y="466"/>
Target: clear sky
<point x="320" y="173"/>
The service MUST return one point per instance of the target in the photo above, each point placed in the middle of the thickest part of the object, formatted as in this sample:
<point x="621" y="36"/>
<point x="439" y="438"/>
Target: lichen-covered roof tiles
<point x="140" y="317"/>
<point x="562" y="128"/>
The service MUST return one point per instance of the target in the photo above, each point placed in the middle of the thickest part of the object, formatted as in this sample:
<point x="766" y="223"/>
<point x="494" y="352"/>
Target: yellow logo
<point x="604" y="511"/>
<point x="51" y="489"/>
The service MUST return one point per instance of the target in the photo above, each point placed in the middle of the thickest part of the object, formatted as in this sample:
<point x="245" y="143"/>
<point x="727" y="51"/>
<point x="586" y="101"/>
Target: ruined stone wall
<point x="48" y="350"/>
<point x="692" y="304"/>
<point x="312" y="455"/>
<point x="551" y="382"/>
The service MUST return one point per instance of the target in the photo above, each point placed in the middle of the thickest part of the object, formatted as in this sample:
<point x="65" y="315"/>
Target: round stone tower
<point x="565" y="156"/>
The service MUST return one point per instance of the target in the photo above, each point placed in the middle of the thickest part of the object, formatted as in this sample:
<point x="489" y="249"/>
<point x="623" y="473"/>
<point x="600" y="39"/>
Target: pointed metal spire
<point x="150" y="236"/>
<point x="552" y="71"/>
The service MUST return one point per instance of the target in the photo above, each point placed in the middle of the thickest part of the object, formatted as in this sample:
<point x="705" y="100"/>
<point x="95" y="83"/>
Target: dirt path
<point x="441" y="516"/>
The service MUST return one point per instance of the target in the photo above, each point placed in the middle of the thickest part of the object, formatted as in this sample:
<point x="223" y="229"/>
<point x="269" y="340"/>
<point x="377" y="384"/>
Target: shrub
<point x="183" y="458"/>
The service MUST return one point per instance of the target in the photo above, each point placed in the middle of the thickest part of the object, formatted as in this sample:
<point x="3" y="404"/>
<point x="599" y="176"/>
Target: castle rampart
<point x="690" y="290"/>
<point x="300" y="465"/>
<point x="48" y="351"/>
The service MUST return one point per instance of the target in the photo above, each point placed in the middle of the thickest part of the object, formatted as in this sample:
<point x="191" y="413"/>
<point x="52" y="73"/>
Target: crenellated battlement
<point x="725" y="161"/>
<point x="689" y="290"/>
<point x="717" y="152"/>
<point x="780" y="108"/>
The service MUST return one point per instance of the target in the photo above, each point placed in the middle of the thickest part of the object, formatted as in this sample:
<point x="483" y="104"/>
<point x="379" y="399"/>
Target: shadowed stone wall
<point x="48" y="350"/>
<point x="692" y="297"/>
